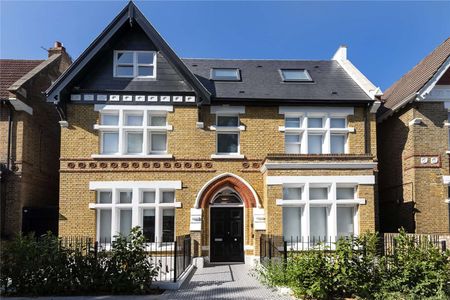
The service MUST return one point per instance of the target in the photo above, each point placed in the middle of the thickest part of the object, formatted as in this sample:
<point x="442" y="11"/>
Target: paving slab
<point x="223" y="281"/>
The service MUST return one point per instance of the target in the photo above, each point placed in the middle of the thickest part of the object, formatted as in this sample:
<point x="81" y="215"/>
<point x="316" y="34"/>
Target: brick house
<point x="225" y="150"/>
<point x="413" y="127"/>
<point x="29" y="143"/>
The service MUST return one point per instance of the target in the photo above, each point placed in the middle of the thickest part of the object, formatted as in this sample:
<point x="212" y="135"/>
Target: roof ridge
<point x="256" y="59"/>
<point x="18" y="59"/>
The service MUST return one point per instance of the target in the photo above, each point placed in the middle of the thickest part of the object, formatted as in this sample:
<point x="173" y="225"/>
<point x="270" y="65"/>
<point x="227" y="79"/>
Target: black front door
<point x="227" y="234"/>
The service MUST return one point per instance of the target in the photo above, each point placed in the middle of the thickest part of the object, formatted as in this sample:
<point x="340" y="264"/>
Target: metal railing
<point x="171" y="258"/>
<point x="418" y="240"/>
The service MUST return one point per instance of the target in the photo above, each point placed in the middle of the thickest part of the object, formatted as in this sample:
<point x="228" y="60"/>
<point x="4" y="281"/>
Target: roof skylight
<point x="226" y="74"/>
<point x="295" y="75"/>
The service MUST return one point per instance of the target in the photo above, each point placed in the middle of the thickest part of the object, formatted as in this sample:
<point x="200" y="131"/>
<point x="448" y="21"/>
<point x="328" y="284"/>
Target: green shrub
<point x="35" y="267"/>
<point x="355" y="269"/>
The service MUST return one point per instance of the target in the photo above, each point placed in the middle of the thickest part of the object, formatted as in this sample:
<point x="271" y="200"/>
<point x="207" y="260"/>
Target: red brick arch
<point x="228" y="181"/>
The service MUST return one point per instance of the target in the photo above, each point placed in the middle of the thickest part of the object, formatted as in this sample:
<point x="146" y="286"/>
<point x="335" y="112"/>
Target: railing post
<point x="444" y="246"/>
<point x="270" y="248"/>
<point x="184" y="252"/>
<point x="175" y="261"/>
<point x="95" y="249"/>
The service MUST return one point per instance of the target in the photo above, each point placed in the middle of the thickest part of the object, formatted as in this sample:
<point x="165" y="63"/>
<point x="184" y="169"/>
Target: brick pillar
<point x="257" y="240"/>
<point x="196" y="243"/>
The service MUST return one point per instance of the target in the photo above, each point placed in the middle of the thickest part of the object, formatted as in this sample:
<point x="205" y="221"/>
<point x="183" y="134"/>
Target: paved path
<point x="223" y="282"/>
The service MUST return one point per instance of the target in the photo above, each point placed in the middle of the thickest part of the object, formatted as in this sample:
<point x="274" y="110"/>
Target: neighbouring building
<point x="222" y="149"/>
<point x="413" y="131"/>
<point x="29" y="144"/>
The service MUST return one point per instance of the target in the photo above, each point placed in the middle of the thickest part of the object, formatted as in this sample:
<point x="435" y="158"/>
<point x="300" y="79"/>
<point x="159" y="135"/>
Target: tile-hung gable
<point x="189" y="146"/>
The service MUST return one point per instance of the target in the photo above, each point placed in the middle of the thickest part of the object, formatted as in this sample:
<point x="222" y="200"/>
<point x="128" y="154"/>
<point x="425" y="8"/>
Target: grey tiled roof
<point x="261" y="80"/>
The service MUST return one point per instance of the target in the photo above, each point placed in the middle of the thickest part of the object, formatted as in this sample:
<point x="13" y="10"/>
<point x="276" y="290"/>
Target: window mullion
<point x="114" y="216"/>
<point x="121" y="133"/>
<point x="306" y="221"/>
<point x="327" y="138"/>
<point x="145" y="139"/>
<point x="135" y="197"/>
<point x="158" y="221"/>
<point x="332" y="224"/>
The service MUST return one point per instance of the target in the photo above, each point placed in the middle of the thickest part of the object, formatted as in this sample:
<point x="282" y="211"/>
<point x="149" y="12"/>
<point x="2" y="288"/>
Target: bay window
<point x="315" y="133"/>
<point x="152" y="208"/>
<point x="133" y="132"/>
<point x="314" y="213"/>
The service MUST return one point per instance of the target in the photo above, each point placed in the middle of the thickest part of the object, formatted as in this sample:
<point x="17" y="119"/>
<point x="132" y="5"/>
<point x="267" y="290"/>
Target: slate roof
<point x="261" y="80"/>
<point x="416" y="78"/>
<point x="12" y="70"/>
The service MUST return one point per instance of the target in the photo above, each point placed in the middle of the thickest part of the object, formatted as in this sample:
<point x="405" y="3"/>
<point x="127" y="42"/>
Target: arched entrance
<point x="226" y="227"/>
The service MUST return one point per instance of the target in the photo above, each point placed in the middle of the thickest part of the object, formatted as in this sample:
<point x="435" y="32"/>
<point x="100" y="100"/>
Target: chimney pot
<point x="58" y="44"/>
<point x="58" y="48"/>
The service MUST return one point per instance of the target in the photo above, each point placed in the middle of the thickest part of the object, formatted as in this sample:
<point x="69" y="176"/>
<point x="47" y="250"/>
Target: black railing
<point x="171" y="258"/>
<point x="275" y="248"/>
<point x="417" y="240"/>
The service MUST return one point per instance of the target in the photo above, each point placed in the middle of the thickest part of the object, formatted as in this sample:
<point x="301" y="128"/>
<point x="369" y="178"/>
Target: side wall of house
<point x="413" y="160"/>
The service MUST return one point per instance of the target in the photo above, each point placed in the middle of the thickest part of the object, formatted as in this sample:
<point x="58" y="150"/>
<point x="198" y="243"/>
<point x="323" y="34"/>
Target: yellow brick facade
<point x="192" y="148"/>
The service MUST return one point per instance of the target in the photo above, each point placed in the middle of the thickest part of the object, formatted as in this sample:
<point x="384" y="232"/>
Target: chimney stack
<point x="58" y="48"/>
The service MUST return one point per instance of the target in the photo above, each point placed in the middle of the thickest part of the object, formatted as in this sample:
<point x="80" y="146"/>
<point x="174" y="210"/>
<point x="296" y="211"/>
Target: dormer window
<point x="135" y="64"/>
<point x="225" y="74"/>
<point x="295" y="75"/>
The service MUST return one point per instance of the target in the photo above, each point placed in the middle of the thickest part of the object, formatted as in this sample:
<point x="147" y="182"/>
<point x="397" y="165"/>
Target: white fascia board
<point x="304" y="110"/>
<point x="320" y="165"/>
<point x="361" y="179"/>
<point x="99" y="185"/>
<point x="21" y="106"/>
<point x="226" y="109"/>
<point x="428" y="87"/>
<point x="446" y="179"/>
<point x="103" y="107"/>
<point x="364" y="83"/>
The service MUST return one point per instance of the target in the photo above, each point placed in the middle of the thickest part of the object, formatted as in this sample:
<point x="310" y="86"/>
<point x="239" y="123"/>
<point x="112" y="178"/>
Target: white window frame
<point x="326" y="131"/>
<point x="123" y="130"/>
<point x="137" y="206"/>
<point x="228" y="130"/>
<point x="331" y="204"/>
<point x="135" y="64"/>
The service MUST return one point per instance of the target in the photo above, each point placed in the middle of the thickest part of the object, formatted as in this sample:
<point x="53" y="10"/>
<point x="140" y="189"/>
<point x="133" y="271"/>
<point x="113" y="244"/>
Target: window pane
<point x="318" y="224"/>
<point x="110" y="143"/>
<point x="337" y="143"/>
<point x="318" y="193"/>
<point x="295" y="75"/>
<point x="345" y="225"/>
<point x="345" y="193"/>
<point x="315" y="123"/>
<point x="133" y="119"/>
<point x="148" y="197"/>
<point x="125" y="196"/>
<point x="125" y="58"/>
<point x="225" y="74"/>
<point x="104" y="197"/>
<point x="292" y="223"/>
<point x="159" y="142"/>
<point x="168" y="225"/>
<point x="145" y="71"/>
<point x="105" y="226"/>
<point x="227" y="143"/>
<point x="168" y="197"/>
<point x="134" y="142"/>
<point x="292" y="138"/>
<point x="292" y="193"/>
<point x="231" y="121"/>
<point x="124" y="71"/>
<point x="125" y="221"/>
<point x="337" y="123"/>
<point x="292" y="148"/>
<point x="314" y="144"/>
<point x="148" y="224"/>
<point x="145" y="57"/>
<point x="109" y="119"/>
<point x="158" y="121"/>
<point x="292" y="122"/>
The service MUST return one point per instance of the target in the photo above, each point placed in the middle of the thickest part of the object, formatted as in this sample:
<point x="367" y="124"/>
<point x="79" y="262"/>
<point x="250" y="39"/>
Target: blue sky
<point x="385" y="39"/>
